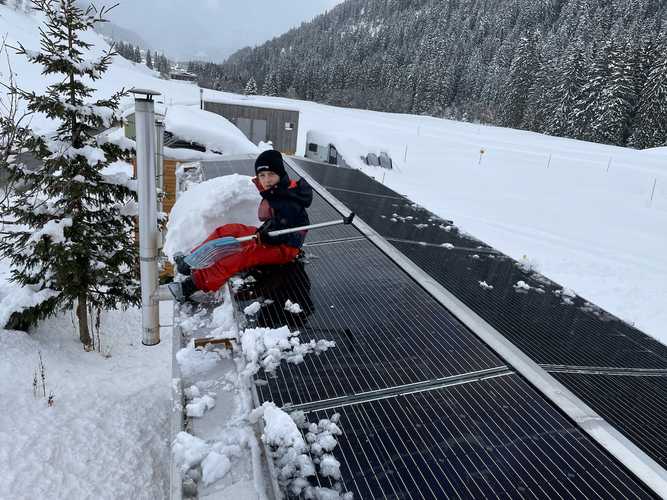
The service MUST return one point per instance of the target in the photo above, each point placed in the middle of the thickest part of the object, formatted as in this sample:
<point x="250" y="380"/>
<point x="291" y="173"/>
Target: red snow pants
<point x="251" y="254"/>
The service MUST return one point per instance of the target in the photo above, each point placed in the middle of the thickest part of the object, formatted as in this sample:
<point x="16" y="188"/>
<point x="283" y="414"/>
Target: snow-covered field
<point x="581" y="211"/>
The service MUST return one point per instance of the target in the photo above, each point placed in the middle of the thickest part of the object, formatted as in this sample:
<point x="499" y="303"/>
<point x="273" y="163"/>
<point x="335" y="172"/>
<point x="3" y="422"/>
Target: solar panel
<point x="388" y="331"/>
<point x="634" y="404"/>
<point x="496" y="438"/>
<point x="344" y="178"/>
<point x="537" y="321"/>
<point x="321" y="211"/>
<point x="241" y="166"/>
<point x="547" y="326"/>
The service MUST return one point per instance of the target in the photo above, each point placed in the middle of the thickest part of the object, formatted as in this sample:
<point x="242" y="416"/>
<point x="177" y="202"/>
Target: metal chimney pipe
<point x="148" y="234"/>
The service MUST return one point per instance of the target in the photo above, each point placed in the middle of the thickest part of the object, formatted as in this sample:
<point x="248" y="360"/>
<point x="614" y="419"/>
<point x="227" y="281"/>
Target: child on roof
<point x="283" y="206"/>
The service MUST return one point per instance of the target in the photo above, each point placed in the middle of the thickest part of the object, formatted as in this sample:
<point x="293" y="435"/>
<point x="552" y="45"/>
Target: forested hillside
<point x="589" y="69"/>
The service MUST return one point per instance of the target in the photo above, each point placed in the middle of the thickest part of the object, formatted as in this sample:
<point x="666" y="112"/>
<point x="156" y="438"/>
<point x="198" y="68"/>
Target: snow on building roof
<point x="208" y="129"/>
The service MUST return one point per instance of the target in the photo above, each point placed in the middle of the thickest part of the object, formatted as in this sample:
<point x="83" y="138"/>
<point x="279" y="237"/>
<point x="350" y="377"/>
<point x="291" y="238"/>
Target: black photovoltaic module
<point x="492" y="439"/>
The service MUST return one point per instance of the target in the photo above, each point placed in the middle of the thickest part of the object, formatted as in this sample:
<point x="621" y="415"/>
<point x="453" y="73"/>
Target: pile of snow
<point x="208" y="205"/>
<point x="266" y="348"/>
<point x="210" y="130"/>
<point x="297" y="458"/>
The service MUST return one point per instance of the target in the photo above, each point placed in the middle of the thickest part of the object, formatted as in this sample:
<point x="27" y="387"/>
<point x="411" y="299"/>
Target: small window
<point x="312" y="147"/>
<point x="289" y="126"/>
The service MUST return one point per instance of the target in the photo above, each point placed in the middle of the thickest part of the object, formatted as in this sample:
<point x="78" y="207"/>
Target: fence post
<point x="148" y="233"/>
<point x="650" y="201"/>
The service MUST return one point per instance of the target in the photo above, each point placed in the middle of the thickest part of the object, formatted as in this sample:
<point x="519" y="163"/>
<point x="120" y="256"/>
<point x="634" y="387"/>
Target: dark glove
<point x="181" y="266"/>
<point x="263" y="234"/>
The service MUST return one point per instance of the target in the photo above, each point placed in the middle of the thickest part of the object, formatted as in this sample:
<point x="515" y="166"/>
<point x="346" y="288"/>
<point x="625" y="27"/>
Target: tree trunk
<point x="82" y="316"/>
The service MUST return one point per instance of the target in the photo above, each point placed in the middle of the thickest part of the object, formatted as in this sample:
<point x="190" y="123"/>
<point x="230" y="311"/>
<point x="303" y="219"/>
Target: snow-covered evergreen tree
<point x="149" y="59"/>
<point x="621" y="96"/>
<point x="73" y="241"/>
<point x="651" y="122"/>
<point x="521" y="77"/>
<point x="251" y="87"/>
<point x="591" y="103"/>
<point x="569" y="84"/>
<point x="269" y="88"/>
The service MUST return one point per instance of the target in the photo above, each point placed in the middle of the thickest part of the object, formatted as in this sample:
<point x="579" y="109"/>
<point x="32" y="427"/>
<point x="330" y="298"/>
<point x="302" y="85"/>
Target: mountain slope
<point x="586" y="69"/>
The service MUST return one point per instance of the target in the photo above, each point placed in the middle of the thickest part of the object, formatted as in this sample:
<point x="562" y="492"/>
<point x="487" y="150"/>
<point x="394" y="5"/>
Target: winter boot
<point x="181" y="266"/>
<point x="181" y="290"/>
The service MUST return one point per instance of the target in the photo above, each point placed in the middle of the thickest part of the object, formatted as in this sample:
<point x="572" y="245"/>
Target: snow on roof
<point x="248" y="100"/>
<point x="208" y="129"/>
<point x="349" y="147"/>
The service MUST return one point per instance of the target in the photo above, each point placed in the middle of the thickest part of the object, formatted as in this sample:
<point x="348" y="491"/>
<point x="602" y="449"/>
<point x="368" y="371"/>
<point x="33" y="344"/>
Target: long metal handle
<point x="346" y="220"/>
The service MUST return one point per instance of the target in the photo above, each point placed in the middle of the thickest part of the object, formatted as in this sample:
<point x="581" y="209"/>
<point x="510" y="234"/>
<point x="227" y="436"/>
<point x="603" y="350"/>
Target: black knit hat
<point x="270" y="160"/>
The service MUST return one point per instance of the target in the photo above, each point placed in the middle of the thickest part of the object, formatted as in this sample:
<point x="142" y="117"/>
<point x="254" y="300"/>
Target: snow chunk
<point x="188" y="450"/>
<point x="199" y="405"/>
<point x="330" y="467"/>
<point x="193" y="361"/>
<point x="252" y="309"/>
<point x="448" y="246"/>
<point x="293" y="307"/>
<point x="280" y="430"/>
<point x="521" y="286"/>
<point x="208" y="205"/>
<point x="215" y="466"/>
<point x="485" y="285"/>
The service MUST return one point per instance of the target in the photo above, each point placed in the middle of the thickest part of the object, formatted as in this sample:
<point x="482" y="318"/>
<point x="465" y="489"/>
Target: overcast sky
<point x="212" y="28"/>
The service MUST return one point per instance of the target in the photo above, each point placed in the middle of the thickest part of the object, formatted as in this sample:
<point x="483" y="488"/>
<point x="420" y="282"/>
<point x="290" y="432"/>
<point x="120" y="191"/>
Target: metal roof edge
<point x="606" y="435"/>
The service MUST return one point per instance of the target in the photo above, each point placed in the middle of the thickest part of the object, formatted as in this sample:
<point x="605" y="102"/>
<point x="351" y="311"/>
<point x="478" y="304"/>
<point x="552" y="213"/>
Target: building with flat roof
<point x="261" y="124"/>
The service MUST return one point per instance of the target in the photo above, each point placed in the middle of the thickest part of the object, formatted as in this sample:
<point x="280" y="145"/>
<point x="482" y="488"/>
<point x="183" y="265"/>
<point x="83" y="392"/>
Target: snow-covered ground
<point x="581" y="211"/>
<point x="106" y="434"/>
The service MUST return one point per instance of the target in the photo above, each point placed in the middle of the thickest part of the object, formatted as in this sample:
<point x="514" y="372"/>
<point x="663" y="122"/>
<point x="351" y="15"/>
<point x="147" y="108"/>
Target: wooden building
<point x="278" y="125"/>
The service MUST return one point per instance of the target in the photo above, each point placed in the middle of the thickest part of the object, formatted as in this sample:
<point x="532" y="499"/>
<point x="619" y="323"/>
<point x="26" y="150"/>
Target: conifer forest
<point x="594" y="70"/>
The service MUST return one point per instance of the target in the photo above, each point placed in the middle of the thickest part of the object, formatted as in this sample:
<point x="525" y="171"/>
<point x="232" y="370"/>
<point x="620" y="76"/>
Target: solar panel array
<point x="544" y="321"/>
<point x="428" y="411"/>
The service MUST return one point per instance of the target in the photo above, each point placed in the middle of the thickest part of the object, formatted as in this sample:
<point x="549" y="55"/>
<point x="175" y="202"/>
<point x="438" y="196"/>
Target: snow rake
<point x="214" y="250"/>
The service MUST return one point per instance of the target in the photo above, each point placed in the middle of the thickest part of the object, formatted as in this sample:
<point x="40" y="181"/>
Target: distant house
<point x="261" y="124"/>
